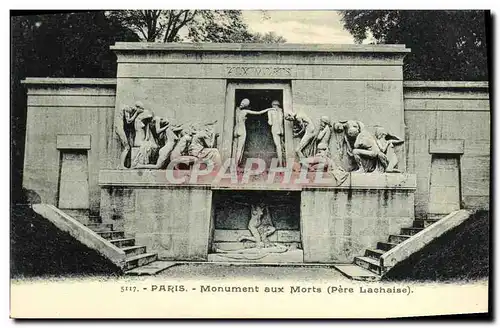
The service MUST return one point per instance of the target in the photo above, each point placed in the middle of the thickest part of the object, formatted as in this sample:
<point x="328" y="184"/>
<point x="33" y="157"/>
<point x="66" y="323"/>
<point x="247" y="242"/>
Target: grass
<point x="460" y="254"/>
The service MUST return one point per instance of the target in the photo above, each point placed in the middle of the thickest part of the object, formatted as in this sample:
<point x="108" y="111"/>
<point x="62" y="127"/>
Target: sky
<point x="300" y="26"/>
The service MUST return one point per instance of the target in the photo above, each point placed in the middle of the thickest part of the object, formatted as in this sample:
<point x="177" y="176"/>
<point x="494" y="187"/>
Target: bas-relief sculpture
<point x="303" y="127"/>
<point x="275" y="121"/>
<point x="156" y="141"/>
<point x="260" y="226"/>
<point x="386" y="143"/>
<point x="314" y="146"/>
<point x="257" y="245"/>
<point x="240" y="130"/>
<point x="367" y="152"/>
<point x="124" y="128"/>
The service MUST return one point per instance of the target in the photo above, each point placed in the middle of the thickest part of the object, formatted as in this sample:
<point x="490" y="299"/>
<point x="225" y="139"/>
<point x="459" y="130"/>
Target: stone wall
<point x="73" y="118"/>
<point x="338" y="224"/>
<point x="173" y="221"/>
<point x="188" y="82"/>
<point x="67" y="116"/>
<point x="449" y="120"/>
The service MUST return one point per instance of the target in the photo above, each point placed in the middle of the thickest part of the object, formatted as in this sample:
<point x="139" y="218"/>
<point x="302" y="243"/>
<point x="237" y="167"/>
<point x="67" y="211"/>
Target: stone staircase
<point x="113" y="244"/>
<point x="370" y="267"/>
<point x="378" y="261"/>
<point x="136" y="255"/>
<point x="371" y="260"/>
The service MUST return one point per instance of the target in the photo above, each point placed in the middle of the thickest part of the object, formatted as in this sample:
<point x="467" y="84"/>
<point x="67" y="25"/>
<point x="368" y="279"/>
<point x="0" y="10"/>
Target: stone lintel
<point x="446" y="146"/>
<point x="143" y="178"/>
<point x="73" y="141"/>
<point x="383" y="181"/>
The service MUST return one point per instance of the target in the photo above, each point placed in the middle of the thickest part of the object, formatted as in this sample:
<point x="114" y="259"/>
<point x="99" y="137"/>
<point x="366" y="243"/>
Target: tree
<point x="269" y="37"/>
<point x="219" y="26"/>
<point x="191" y="25"/>
<point x="446" y="45"/>
<point x="56" y="45"/>
<point x="155" y="25"/>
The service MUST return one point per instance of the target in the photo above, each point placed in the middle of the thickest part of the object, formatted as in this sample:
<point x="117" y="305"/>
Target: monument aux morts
<point x="255" y="152"/>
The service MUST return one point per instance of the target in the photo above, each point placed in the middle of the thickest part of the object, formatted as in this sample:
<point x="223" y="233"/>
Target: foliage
<point x="269" y="37"/>
<point x="155" y="25"/>
<point x="219" y="26"/>
<point x="57" y="45"/>
<point x="191" y="25"/>
<point x="446" y="45"/>
<point x="69" y="44"/>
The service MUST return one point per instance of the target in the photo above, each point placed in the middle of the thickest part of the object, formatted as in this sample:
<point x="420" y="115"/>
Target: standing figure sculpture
<point x="275" y="120"/>
<point x="319" y="157"/>
<point x="303" y="126"/>
<point x="158" y="126"/>
<point x="240" y="131"/>
<point x="143" y="137"/>
<point x="124" y="130"/>
<point x="324" y="133"/>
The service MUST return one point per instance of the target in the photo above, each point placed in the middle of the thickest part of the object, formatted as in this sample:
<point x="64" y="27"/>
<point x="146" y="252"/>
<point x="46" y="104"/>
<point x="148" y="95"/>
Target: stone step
<point x="140" y="260"/>
<point x="100" y="227"/>
<point x="374" y="253"/>
<point x="110" y="234"/>
<point x="151" y="268"/>
<point x="368" y="263"/>
<point x="355" y="272"/>
<point x="437" y="217"/>
<point x="134" y="250"/>
<point x="423" y="223"/>
<point x="81" y="215"/>
<point x="290" y="256"/>
<point x="410" y="231"/>
<point x="123" y="242"/>
<point x="228" y="246"/>
<point x="93" y="219"/>
<point x="385" y="246"/>
<point x="398" y="238"/>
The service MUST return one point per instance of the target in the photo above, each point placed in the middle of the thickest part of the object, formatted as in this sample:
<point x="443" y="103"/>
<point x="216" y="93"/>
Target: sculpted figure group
<point x="365" y="151"/>
<point x="153" y="142"/>
<point x="157" y="141"/>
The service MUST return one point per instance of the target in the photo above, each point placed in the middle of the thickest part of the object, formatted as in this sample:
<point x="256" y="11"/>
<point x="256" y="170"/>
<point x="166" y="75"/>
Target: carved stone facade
<point x="176" y="109"/>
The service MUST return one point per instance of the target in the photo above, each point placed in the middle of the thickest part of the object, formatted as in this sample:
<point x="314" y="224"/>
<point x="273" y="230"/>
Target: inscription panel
<point x="260" y="71"/>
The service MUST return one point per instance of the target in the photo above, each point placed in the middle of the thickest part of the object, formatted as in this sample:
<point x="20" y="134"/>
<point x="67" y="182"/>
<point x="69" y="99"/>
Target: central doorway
<point x="259" y="141"/>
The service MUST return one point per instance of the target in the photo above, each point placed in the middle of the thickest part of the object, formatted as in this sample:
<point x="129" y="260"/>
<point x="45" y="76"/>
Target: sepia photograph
<point x="218" y="163"/>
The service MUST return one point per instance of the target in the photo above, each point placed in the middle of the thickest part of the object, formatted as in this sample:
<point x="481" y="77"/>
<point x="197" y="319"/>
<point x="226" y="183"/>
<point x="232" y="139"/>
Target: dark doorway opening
<point x="232" y="208"/>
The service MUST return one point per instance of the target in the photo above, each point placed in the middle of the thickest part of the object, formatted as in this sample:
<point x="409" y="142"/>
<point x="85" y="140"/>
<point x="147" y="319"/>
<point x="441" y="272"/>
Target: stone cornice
<point x="69" y="81"/>
<point x="446" y="84"/>
<point x="259" y="47"/>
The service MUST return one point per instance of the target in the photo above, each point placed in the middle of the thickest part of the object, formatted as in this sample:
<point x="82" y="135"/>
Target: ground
<point x="212" y="271"/>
